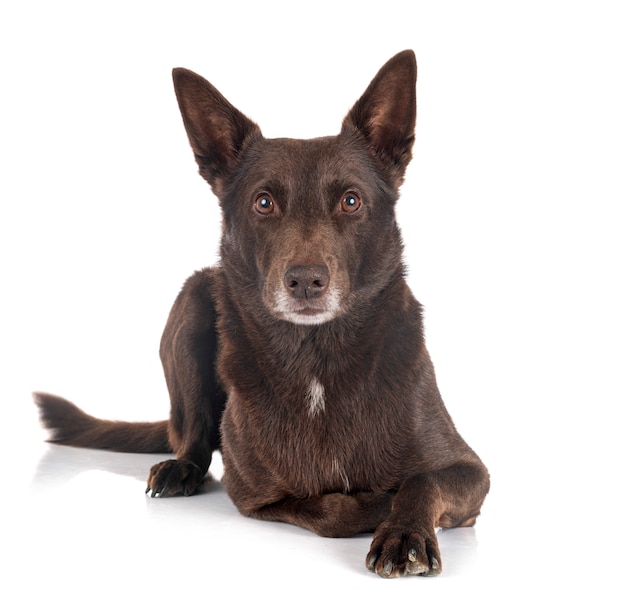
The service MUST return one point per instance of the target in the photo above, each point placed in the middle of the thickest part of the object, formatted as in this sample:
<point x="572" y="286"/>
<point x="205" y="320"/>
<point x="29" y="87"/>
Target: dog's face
<point x="309" y="226"/>
<point x="312" y="223"/>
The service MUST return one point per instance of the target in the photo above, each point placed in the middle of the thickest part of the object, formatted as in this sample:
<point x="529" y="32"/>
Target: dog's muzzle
<point x="307" y="297"/>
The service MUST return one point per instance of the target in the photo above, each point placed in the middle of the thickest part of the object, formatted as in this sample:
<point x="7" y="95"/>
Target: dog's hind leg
<point x="188" y="353"/>
<point x="332" y="515"/>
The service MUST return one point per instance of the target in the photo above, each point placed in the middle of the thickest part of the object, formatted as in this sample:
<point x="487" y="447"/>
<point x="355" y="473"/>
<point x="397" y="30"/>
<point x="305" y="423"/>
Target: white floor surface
<point x="79" y="532"/>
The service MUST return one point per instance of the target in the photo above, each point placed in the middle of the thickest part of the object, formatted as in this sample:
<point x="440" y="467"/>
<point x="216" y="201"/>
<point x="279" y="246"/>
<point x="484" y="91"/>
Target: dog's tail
<point x="68" y="425"/>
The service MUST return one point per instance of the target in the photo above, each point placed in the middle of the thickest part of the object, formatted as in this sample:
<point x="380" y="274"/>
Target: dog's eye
<point x="264" y="204"/>
<point x="350" y="203"/>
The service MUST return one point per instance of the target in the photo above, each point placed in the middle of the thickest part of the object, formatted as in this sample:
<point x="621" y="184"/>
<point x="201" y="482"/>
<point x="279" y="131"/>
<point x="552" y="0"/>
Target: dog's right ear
<point x="217" y="131"/>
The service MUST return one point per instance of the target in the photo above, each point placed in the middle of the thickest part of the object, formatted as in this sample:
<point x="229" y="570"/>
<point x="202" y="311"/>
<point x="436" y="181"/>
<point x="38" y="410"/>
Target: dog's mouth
<point x="307" y="311"/>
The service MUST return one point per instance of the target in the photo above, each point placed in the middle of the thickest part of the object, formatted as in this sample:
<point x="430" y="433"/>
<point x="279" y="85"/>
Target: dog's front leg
<point x="188" y="353"/>
<point x="331" y="515"/>
<point x="406" y="542"/>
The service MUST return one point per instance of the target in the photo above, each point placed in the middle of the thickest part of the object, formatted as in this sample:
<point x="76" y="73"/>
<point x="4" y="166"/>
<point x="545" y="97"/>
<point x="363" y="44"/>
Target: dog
<point x="301" y="356"/>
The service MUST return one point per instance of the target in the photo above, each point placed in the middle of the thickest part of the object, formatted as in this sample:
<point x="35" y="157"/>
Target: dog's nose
<point x="304" y="282"/>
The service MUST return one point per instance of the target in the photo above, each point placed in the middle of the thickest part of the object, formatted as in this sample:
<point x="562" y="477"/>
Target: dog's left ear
<point x="385" y="114"/>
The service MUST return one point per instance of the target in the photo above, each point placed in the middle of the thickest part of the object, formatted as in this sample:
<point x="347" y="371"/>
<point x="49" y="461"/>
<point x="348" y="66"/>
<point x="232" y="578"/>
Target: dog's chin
<point x="307" y="317"/>
<point x="307" y="312"/>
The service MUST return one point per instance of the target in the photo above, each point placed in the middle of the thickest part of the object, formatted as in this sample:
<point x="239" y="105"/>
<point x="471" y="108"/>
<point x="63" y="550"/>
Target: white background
<point x="512" y="213"/>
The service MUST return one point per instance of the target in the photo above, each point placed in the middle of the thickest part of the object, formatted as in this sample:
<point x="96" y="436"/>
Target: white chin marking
<point x="308" y="320"/>
<point x="289" y="310"/>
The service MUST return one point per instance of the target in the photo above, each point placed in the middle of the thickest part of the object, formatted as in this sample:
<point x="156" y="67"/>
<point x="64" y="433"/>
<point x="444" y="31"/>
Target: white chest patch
<point x="316" y="397"/>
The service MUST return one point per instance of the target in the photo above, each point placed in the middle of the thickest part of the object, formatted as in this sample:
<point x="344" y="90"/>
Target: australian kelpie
<point x="301" y="356"/>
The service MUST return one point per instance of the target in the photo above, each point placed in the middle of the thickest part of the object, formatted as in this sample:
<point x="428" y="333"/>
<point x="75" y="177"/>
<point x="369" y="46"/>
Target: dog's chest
<point x="314" y="413"/>
<point x="315" y="398"/>
<point x="312" y="436"/>
<point x="335" y="461"/>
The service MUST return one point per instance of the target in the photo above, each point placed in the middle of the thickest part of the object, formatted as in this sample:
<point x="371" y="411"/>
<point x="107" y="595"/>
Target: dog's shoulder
<point x="194" y="311"/>
<point x="202" y="285"/>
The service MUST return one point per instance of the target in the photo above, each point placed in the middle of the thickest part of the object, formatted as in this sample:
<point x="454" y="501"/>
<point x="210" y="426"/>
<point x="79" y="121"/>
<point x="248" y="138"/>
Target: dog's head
<point x="309" y="225"/>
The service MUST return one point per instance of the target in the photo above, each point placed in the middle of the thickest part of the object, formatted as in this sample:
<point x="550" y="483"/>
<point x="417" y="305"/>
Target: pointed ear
<point x="385" y="114"/>
<point x="217" y="131"/>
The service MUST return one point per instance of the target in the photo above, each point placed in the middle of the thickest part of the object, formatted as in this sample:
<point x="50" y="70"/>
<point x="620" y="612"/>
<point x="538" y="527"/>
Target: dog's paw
<point x="397" y="551"/>
<point x="174" y="477"/>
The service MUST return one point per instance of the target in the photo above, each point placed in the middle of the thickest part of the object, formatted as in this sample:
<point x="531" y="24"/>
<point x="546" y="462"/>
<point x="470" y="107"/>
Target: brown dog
<point x="301" y="357"/>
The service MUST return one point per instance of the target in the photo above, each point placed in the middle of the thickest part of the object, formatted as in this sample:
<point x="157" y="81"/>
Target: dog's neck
<point x="332" y="346"/>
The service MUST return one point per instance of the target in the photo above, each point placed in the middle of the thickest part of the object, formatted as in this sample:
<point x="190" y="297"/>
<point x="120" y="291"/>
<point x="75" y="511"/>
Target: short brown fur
<point x="301" y="356"/>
